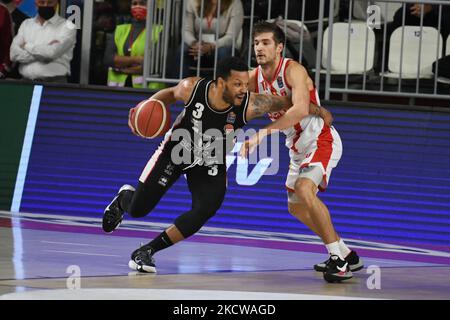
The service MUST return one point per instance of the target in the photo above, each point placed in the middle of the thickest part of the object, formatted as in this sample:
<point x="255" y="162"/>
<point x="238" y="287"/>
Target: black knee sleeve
<point x="143" y="201"/>
<point x="192" y="221"/>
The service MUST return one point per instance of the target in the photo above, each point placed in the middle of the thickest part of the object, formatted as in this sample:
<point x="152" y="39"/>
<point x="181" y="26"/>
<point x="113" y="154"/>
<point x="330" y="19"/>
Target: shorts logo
<point x="163" y="181"/>
<point x="169" y="169"/>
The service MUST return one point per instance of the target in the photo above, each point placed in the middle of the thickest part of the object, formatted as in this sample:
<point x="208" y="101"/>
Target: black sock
<point x="162" y="241"/>
<point x="125" y="199"/>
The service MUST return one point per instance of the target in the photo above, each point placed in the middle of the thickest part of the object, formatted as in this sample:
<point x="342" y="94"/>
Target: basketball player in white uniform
<point x="314" y="147"/>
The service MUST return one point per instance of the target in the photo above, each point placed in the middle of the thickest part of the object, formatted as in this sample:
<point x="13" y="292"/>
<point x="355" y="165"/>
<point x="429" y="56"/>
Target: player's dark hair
<point x="225" y="66"/>
<point x="264" y="26"/>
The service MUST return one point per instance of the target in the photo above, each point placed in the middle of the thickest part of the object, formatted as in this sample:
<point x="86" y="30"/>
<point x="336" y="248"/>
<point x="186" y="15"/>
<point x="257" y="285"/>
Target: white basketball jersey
<point x="309" y="128"/>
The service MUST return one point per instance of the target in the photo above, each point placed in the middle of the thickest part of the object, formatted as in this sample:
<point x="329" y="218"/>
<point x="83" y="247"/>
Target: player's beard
<point x="227" y="96"/>
<point x="261" y="61"/>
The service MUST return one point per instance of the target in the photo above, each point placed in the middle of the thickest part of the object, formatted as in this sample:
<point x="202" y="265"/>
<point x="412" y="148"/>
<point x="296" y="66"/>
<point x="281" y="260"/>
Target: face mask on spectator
<point x="139" y="12"/>
<point x="46" y="12"/>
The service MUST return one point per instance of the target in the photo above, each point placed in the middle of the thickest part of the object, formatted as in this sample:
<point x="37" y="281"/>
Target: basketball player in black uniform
<point x="210" y="105"/>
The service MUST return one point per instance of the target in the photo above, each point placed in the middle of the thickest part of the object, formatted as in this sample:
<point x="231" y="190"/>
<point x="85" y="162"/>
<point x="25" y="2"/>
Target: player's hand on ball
<point x="130" y="124"/>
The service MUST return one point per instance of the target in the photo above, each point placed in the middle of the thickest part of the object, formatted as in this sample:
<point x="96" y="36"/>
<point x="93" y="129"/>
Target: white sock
<point x="333" y="248"/>
<point x="345" y="251"/>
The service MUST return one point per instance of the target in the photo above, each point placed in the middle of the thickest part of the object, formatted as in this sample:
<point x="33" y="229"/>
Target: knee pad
<point x="139" y="208"/>
<point x="137" y="212"/>
<point x="192" y="221"/>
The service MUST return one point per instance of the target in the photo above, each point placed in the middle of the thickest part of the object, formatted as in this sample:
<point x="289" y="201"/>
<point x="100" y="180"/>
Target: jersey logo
<point x="280" y="82"/>
<point x="231" y="118"/>
<point x="228" y="128"/>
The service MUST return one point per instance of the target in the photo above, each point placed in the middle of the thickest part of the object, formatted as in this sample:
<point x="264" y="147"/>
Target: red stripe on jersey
<point x="298" y="132"/>
<point x="275" y="76"/>
<point x="284" y="74"/>
<point x="273" y="91"/>
<point x="256" y="80"/>
<point x="324" y="147"/>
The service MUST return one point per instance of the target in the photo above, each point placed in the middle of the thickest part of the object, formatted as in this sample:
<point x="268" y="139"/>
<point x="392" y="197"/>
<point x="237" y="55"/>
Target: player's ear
<point x="280" y="47"/>
<point x="221" y="82"/>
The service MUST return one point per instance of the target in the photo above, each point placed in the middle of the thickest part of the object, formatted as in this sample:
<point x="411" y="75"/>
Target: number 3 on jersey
<point x="213" y="170"/>
<point x="199" y="110"/>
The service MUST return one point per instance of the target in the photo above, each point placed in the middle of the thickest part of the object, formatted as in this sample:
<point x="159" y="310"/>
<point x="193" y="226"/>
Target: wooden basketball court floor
<point x="41" y="257"/>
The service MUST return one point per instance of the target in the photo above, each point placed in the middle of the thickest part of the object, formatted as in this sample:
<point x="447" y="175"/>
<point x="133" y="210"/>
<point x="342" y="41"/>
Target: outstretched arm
<point x="262" y="106"/>
<point x="181" y="92"/>
<point x="298" y="78"/>
<point x="301" y="108"/>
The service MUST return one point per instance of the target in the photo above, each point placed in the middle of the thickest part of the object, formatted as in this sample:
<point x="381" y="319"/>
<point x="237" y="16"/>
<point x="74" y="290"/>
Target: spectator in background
<point x="122" y="12"/>
<point x="5" y="41"/>
<point x="412" y="18"/>
<point x="44" y="44"/>
<point x="103" y="27"/>
<point x="17" y="16"/>
<point x="430" y="17"/>
<point x="124" y="54"/>
<point x="230" y="24"/>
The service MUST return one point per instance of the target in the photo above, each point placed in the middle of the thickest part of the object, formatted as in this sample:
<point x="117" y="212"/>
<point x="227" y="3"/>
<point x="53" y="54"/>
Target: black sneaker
<point x="355" y="263"/>
<point x="142" y="260"/>
<point x="337" y="270"/>
<point x="113" y="214"/>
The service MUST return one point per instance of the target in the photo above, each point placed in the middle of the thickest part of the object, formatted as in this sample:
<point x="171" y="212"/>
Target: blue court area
<point x="392" y="183"/>
<point x="43" y="255"/>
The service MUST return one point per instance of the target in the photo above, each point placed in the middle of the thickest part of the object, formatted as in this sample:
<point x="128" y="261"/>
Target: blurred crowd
<point x="47" y="47"/>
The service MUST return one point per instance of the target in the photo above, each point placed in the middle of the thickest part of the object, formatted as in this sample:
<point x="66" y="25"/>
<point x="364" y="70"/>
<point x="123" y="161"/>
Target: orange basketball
<point x="150" y="118"/>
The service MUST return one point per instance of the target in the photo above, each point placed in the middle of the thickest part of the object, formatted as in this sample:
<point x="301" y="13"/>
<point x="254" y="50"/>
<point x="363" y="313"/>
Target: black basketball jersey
<point x="203" y="135"/>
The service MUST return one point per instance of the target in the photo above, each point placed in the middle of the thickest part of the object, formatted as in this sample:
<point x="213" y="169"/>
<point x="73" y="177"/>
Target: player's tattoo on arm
<point x="264" y="103"/>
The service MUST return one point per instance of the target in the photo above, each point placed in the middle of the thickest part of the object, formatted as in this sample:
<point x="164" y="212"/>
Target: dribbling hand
<point x="130" y="124"/>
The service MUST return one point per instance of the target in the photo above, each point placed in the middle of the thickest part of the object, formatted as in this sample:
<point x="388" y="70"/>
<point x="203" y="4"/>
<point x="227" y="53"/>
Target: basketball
<point x="150" y="118"/>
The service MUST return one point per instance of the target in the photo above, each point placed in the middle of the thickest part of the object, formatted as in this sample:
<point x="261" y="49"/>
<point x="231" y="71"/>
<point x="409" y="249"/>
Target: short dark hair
<point x="225" y="66"/>
<point x="264" y="26"/>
